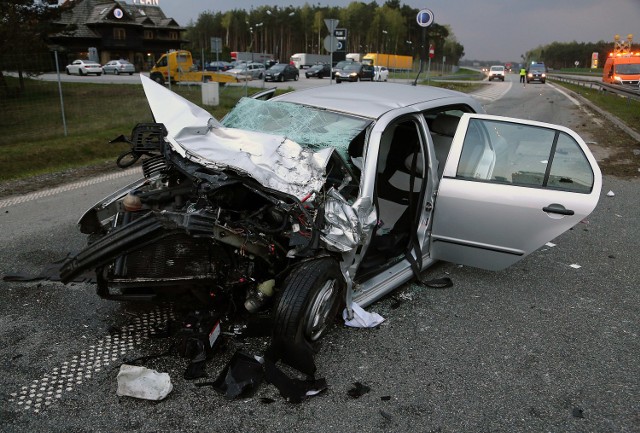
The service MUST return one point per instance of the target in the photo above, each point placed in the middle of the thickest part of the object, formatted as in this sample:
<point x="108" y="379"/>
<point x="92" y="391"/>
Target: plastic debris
<point x="610" y="194"/>
<point x="358" y="390"/>
<point x="362" y="318"/>
<point x="550" y="244"/>
<point x="575" y="266"/>
<point x="144" y="383"/>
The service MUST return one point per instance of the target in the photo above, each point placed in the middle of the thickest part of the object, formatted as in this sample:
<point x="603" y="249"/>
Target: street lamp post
<point x="384" y="47"/>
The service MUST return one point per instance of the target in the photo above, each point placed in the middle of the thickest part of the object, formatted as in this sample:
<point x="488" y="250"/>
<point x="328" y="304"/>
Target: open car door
<point x="508" y="187"/>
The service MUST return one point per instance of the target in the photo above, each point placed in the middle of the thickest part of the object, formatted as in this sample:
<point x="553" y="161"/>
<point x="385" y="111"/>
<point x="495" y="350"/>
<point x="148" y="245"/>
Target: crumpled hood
<point x="274" y="161"/>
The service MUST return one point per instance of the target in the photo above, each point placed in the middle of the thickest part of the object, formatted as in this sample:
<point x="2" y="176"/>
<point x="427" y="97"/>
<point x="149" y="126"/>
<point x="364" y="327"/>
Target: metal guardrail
<point x="630" y="92"/>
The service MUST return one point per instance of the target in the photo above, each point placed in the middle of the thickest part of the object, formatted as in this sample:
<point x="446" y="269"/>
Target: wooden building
<point x="103" y="30"/>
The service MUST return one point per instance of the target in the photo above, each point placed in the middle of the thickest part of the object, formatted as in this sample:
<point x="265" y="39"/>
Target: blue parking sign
<point x="425" y="18"/>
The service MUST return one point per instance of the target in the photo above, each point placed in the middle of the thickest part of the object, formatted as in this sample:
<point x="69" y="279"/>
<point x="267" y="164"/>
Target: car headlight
<point x="617" y="78"/>
<point x="353" y="74"/>
<point x="544" y="75"/>
<point x="530" y="74"/>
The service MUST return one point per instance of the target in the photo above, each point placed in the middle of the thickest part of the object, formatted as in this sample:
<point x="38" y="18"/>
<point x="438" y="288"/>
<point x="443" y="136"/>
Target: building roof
<point x="80" y="16"/>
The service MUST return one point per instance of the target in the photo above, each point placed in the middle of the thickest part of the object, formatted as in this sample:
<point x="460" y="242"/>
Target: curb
<point x="619" y="123"/>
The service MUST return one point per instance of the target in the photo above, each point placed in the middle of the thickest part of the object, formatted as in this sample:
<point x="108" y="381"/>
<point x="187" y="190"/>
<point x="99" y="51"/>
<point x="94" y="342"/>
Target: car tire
<point x="338" y="81"/>
<point x="158" y="78"/>
<point x="295" y="78"/>
<point x="80" y="72"/>
<point x="99" y="73"/>
<point x="116" y="72"/>
<point x="68" y="72"/>
<point x="311" y="297"/>
<point x="543" y="81"/>
<point x="260" y="76"/>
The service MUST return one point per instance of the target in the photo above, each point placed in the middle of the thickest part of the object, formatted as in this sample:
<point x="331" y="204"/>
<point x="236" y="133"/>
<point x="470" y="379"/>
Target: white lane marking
<point x="569" y="97"/>
<point x="67" y="187"/>
<point x="43" y="392"/>
<point x="493" y="91"/>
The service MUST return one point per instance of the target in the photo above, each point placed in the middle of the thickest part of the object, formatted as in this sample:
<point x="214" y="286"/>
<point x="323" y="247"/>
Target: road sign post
<point x="331" y="24"/>
<point x="424" y="19"/>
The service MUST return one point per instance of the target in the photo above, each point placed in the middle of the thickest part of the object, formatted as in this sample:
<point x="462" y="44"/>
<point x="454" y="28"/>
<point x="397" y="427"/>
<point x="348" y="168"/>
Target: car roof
<point x="372" y="100"/>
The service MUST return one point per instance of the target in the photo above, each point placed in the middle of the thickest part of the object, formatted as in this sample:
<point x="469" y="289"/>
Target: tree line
<point x="560" y="55"/>
<point x="283" y="31"/>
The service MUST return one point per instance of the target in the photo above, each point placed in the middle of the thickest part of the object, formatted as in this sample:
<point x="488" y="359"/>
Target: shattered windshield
<point x="311" y="128"/>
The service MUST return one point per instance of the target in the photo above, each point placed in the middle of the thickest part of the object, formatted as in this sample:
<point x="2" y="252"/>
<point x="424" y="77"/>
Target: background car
<point x="251" y="70"/>
<point x="380" y="73"/>
<point x="118" y="67"/>
<point x="537" y="72"/>
<point x="218" y="66"/>
<point x="339" y="66"/>
<point x="355" y="72"/>
<point x="281" y="72"/>
<point x="318" y="71"/>
<point x="84" y="67"/>
<point x="496" y="72"/>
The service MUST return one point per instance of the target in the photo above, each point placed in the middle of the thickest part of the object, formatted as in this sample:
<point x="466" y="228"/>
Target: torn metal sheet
<point x="274" y="159"/>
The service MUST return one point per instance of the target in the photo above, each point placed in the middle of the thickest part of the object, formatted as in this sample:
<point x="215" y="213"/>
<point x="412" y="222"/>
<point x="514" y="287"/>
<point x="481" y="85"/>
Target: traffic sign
<point x="331" y="24"/>
<point x="425" y="18"/>
<point x="331" y="43"/>
<point x="341" y="34"/>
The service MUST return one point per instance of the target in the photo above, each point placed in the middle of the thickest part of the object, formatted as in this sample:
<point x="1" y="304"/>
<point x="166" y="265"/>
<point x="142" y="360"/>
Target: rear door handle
<point x="558" y="208"/>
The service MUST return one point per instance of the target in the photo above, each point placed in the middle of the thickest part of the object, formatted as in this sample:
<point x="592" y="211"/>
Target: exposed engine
<point x="215" y="236"/>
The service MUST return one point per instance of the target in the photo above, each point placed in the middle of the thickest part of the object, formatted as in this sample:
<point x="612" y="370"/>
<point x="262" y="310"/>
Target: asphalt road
<point x="541" y="346"/>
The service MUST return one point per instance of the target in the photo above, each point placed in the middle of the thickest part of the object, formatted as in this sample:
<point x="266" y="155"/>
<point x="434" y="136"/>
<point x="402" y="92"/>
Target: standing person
<point x="523" y="73"/>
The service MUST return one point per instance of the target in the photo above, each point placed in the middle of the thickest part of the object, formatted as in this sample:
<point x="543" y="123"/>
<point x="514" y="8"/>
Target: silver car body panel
<point x="479" y="223"/>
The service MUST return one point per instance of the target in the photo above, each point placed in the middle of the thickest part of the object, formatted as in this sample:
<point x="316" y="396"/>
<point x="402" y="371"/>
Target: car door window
<point x="523" y="155"/>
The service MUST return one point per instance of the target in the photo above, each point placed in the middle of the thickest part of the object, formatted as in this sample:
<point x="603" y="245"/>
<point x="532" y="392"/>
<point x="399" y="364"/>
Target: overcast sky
<point x="488" y="29"/>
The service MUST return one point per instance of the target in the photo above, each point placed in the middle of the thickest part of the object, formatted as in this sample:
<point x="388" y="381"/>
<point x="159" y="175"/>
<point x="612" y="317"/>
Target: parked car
<point x="84" y="67"/>
<point x="318" y="71"/>
<point x="496" y="72"/>
<point x="291" y="207"/>
<point x="250" y="70"/>
<point x="380" y="73"/>
<point x="338" y="67"/>
<point x="537" y="72"/>
<point x="282" y="72"/>
<point x="218" y="66"/>
<point x="118" y="67"/>
<point x="355" y="72"/>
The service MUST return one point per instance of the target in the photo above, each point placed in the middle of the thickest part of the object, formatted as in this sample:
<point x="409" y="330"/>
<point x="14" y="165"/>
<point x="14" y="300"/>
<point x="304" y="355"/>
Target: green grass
<point x="625" y="109"/>
<point x="32" y="141"/>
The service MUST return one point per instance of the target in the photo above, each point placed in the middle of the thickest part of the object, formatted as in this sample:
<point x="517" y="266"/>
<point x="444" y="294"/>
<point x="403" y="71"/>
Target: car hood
<point x="274" y="161"/>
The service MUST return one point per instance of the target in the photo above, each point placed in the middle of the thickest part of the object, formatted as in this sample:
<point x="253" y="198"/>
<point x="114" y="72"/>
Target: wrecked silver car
<point x="297" y="205"/>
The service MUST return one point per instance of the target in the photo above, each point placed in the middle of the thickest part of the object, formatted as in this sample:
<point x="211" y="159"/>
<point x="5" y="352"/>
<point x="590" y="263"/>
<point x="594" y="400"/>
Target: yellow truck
<point x="393" y="62"/>
<point x="178" y="66"/>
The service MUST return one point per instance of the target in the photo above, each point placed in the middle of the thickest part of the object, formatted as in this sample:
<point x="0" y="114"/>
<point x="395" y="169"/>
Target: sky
<point x="488" y="29"/>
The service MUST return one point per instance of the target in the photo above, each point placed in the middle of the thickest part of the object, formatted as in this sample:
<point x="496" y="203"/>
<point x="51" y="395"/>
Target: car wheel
<point x="357" y="79"/>
<point x="68" y="72"/>
<point x="543" y="81"/>
<point x="338" y="81"/>
<point x="260" y="76"/>
<point x="99" y="73"/>
<point x="80" y="72"/>
<point x="158" y="78"/>
<point x="311" y="297"/>
<point x="295" y="78"/>
<point x="117" y="72"/>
